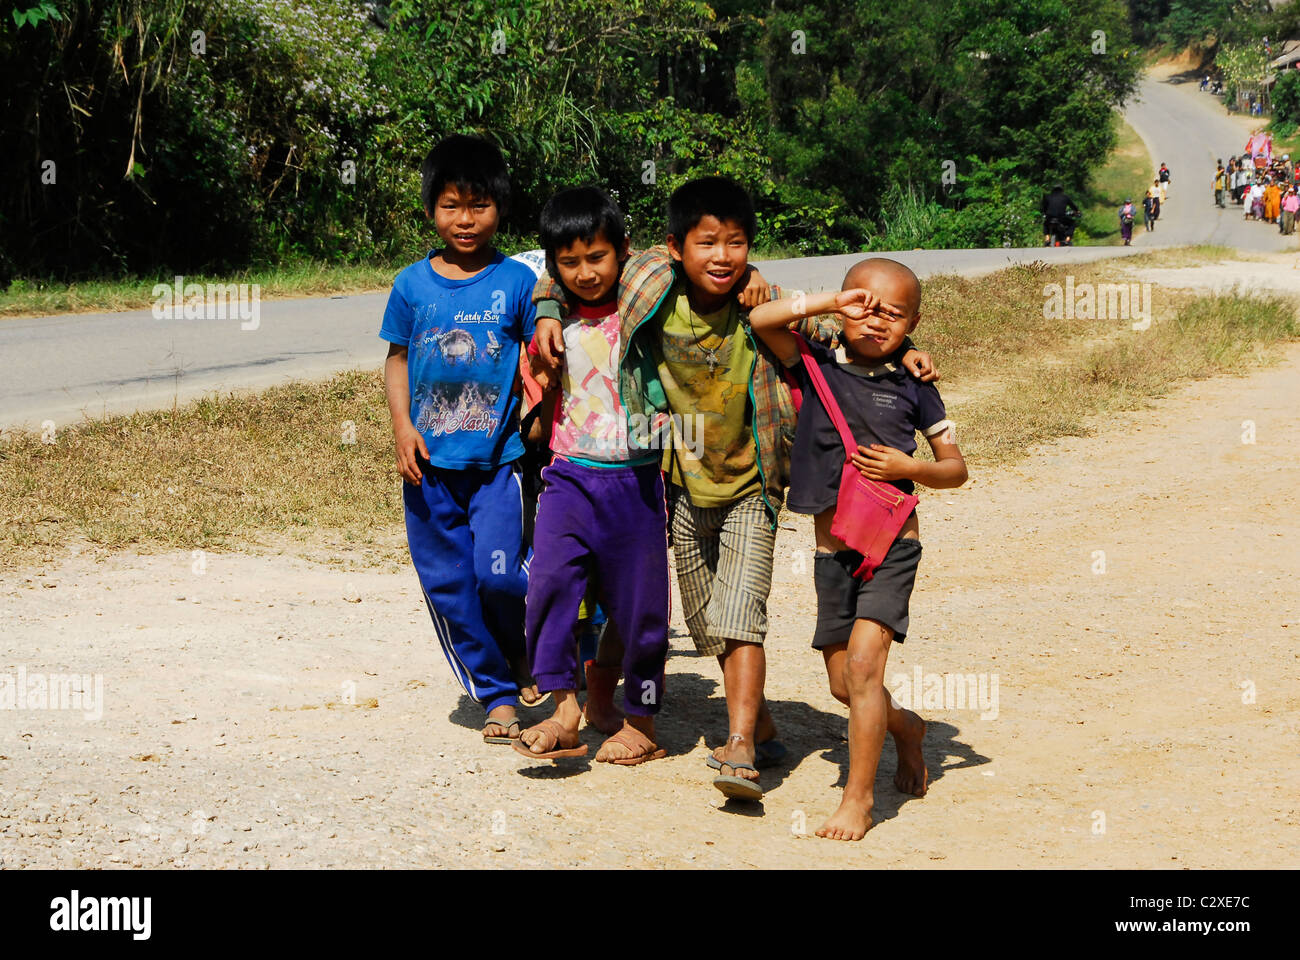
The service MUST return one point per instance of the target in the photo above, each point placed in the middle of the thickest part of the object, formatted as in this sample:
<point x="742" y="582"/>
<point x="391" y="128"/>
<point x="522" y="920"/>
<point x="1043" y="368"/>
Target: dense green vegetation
<point x="1201" y="24"/>
<point x="146" y="136"/>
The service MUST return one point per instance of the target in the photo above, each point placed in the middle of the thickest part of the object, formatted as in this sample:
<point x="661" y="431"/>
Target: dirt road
<point x="1125" y="602"/>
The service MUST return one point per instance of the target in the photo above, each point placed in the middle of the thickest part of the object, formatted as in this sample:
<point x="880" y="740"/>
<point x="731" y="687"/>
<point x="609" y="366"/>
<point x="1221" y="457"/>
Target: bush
<point x="295" y="131"/>
<point x="1286" y="99"/>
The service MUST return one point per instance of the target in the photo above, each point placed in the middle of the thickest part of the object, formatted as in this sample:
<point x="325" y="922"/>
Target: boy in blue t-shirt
<point x="858" y="620"/>
<point x="455" y="323"/>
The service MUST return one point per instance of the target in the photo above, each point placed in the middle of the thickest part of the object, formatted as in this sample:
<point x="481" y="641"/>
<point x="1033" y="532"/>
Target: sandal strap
<point x="737" y="766"/>
<point x="554" y="731"/>
<point x="643" y="746"/>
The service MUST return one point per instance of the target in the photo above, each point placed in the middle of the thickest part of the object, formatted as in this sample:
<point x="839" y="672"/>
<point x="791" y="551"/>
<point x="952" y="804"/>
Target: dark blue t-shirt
<point x="463" y="339"/>
<point x="883" y="404"/>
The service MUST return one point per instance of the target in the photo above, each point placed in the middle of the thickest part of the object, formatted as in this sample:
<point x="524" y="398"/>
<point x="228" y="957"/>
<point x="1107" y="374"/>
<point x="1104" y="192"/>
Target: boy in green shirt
<point x="687" y="349"/>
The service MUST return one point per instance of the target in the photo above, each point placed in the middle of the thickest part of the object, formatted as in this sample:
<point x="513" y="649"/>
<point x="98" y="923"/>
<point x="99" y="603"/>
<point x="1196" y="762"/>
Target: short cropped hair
<point x="579" y="213"/>
<point x="473" y="164"/>
<point x="709" y="196"/>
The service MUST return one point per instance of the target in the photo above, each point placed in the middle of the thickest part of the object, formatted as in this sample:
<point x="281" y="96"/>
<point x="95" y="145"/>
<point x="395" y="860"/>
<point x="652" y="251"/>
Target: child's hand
<point x="856" y="304"/>
<point x="408" y="443"/>
<point x="919" y="365"/>
<point x="878" y="462"/>
<point x="550" y="341"/>
<point x="755" y="291"/>
<point x="543" y="376"/>
<point x="546" y="376"/>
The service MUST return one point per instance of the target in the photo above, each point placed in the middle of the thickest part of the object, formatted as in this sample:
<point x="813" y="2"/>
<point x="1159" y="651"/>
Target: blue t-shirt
<point x="463" y="339"/>
<point x="882" y="404"/>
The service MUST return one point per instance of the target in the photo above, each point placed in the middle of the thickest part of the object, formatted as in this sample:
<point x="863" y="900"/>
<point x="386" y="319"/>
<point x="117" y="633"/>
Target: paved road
<point x="71" y="366"/>
<point x="67" y="367"/>
<point x="1190" y="130"/>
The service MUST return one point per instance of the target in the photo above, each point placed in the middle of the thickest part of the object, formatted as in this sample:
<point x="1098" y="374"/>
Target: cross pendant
<point x="711" y="359"/>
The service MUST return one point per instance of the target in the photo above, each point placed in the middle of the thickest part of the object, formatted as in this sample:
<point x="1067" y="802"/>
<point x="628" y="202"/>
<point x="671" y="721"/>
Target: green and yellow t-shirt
<point x="705" y="364"/>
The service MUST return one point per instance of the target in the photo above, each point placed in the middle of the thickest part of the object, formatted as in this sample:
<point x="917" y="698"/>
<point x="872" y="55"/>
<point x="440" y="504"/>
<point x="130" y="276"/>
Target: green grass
<point x="26" y="297"/>
<point x="1127" y="173"/>
<point x="35" y="297"/>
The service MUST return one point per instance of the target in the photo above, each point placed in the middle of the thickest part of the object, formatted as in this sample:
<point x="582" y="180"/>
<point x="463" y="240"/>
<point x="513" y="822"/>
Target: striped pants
<point x="724" y="570"/>
<point x="465" y="531"/>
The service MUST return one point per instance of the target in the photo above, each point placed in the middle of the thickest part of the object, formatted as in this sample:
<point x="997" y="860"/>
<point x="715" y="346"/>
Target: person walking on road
<point x="1272" y="202"/>
<point x="1126" y="214"/>
<point x="1220" y="180"/>
<point x="1163" y="177"/>
<point x="1289" y="207"/>
<point x="1151" y="207"/>
<point x="1255" y="202"/>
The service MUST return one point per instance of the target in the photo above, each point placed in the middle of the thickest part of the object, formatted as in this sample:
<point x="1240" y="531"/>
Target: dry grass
<point x="273" y="466"/>
<point x="1190" y="256"/>
<point x="1047" y="395"/>
<point x="212" y="474"/>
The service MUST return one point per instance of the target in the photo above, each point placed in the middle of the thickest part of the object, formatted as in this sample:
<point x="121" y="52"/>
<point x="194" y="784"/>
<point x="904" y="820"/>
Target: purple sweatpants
<point x="607" y="526"/>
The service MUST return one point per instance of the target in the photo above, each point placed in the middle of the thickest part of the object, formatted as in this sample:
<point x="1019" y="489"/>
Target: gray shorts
<point x="843" y="599"/>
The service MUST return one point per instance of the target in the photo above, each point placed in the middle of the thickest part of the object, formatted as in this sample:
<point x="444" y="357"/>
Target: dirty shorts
<point x="843" y="599"/>
<point x="724" y="570"/>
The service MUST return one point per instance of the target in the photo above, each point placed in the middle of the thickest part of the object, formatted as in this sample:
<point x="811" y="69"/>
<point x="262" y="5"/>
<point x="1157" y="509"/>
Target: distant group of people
<point x="1156" y="196"/>
<point x="1267" y="188"/>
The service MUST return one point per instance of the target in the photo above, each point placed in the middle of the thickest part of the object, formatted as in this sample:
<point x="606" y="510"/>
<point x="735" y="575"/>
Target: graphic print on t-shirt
<point x="462" y="339"/>
<point x="463" y="366"/>
<point x="705" y="365"/>
<point x="591" y="423"/>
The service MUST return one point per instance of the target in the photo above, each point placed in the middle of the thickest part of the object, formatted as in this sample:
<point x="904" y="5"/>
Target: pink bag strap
<point x="828" y="401"/>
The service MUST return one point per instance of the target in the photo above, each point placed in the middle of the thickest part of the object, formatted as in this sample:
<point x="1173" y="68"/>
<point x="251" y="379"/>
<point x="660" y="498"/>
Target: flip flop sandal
<point x="558" y="750"/>
<point x="536" y="703"/>
<point x="769" y="753"/>
<point x="738" y="788"/>
<point x="500" y="723"/>
<point x="649" y="750"/>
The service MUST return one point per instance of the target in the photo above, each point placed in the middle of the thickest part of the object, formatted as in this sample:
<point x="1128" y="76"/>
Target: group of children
<point x="673" y="377"/>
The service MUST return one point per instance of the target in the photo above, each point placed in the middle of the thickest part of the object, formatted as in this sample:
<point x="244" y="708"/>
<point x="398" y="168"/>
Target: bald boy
<point x="859" y="619"/>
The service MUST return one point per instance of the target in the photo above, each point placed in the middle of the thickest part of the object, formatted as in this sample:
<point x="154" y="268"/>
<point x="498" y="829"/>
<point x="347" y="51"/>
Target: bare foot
<point x="739" y="750"/>
<point x="764" y="730"/>
<point x="557" y="732"/>
<point x="549" y="735"/>
<point x="850" y="822"/>
<point x="529" y="695"/>
<point x="912" y="776"/>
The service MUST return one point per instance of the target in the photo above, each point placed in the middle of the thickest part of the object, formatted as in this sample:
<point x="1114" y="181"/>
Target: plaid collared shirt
<point x="646" y="281"/>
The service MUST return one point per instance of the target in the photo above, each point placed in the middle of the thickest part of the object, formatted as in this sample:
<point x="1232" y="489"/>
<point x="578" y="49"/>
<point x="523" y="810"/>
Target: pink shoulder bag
<point x="868" y="515"/>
